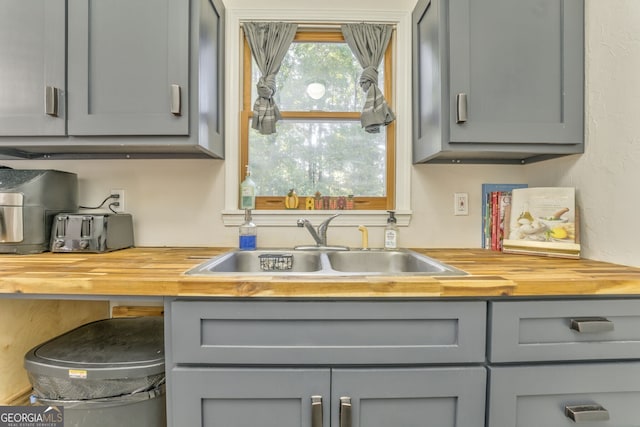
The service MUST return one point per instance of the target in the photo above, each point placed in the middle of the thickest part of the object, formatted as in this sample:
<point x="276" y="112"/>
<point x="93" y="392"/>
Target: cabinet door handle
<point x="176" y="100"/>
<point x="51" y="95"/>
<point x="316" y="411"/>
<point x="461" y="107"/>
<point x="345" y="412"/>
<point x="591" y="324"/>
<point x="580" y="413"/>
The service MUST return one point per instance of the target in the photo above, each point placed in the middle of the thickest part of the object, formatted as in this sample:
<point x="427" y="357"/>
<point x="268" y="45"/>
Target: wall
<point x="607" y="175"/>
<point x="179" y="202"/>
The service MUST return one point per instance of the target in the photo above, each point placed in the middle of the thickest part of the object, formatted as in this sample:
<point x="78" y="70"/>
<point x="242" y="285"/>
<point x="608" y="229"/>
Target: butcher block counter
<point x="159" y="271"/>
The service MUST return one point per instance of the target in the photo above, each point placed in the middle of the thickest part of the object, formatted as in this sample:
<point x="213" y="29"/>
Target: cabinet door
<point x="128" y="67"/>
<point x="599" y="395"/>
<point x="430" y="101"/>
<point x="249" y="397"/>
<point x="210" y="76"/>
<point x="32" y="51"/>
<point x="416" y="397"/>
<point x="520" y="65"/>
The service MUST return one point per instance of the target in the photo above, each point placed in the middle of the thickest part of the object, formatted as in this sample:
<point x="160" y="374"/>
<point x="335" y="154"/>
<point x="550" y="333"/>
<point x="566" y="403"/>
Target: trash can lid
<point x="111" y="348"/>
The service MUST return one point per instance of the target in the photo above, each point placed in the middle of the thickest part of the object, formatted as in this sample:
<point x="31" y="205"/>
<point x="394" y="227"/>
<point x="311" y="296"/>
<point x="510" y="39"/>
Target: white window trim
<point x="231" y="215"/>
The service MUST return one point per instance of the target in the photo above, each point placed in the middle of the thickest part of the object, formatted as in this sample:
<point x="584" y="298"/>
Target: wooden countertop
<point x="159" y="272"/>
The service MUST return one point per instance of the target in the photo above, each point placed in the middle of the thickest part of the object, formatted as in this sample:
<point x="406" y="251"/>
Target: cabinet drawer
<point x="564" y="330"/>
<point x="336" y="332"/>
<point x="535" y="396"/>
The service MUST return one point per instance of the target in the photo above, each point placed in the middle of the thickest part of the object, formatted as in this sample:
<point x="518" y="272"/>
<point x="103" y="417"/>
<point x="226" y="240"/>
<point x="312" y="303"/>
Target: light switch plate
<point x="460" y="204"/>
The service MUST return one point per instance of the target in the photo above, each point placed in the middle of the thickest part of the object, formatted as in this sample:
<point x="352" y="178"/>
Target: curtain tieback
<point x="368" y="77"/>
<point x="266" y="86"/>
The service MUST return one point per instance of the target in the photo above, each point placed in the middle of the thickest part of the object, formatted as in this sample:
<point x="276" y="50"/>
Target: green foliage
<point x="335" y="157"/>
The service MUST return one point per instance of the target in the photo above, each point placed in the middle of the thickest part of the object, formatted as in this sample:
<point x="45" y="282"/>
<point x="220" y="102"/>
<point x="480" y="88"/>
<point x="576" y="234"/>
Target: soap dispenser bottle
<point x="391" y="232"/>
<point x="248" y="192"/>
<point x="248" y="233"/>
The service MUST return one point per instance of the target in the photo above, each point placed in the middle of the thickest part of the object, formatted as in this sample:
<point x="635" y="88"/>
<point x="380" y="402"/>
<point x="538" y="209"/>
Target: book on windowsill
<point x="490" y="226"/>
<point x="543" y="221"/>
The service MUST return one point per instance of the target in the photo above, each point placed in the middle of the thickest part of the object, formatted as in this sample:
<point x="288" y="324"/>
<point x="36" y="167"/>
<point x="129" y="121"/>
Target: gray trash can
<point x="106" y="373"/>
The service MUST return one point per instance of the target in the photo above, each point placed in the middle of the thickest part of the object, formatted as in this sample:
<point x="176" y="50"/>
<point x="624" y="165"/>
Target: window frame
<point x="327" y="35"/>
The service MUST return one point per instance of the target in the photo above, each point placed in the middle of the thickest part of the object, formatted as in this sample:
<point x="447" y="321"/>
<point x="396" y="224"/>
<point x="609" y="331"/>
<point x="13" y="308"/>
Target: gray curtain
<point x="269" y="42"/>
<point x="368" y="43"/>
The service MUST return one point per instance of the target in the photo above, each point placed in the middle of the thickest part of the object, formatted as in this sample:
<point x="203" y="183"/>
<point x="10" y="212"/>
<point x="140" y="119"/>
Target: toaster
<point x="80" y="232"/>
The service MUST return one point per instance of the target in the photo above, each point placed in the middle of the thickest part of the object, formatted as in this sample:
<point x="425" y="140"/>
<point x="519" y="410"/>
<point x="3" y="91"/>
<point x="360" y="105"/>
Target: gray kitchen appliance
<point x="99" y="232"/>
<point x="29" y="200"/>
<point x="105" y="373"/>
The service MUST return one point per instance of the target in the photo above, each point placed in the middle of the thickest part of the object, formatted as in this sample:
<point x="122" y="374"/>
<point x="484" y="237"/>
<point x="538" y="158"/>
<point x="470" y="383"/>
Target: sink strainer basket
<point x="276" y="262"/>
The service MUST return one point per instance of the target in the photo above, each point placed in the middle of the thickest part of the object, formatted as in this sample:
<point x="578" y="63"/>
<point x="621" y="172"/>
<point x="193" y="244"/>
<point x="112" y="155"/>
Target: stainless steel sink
<point x="324" y="263"/>
<point x="261" y="262"/>
<point x="389" y="262"/>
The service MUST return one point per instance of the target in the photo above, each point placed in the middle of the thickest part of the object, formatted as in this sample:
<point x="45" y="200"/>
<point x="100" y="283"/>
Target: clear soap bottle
<point x="248" y="233"/>
<point x="248" y="192"/>
<point x="391" y="232"/>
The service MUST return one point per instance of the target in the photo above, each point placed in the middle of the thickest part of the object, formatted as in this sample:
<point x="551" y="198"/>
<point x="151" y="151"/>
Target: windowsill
<point x="288" y="218"/>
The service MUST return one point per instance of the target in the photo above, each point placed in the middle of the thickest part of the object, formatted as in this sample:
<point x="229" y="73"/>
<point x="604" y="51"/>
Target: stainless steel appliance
<point x="84" y="232"/>
<point x="29" y="200"/>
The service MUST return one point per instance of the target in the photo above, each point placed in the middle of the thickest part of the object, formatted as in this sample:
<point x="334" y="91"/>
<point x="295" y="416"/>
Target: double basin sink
<point x="282" y="262"/>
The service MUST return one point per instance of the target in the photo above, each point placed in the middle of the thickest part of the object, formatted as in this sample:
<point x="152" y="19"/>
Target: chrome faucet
<point x="319" y="236"/>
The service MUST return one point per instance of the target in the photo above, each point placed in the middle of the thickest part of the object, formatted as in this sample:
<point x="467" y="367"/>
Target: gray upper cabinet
<point x="144" y="78"/>
<point x="497" y="80"/>
<point x="128" y="60"/>
<point x="32" y="75"/>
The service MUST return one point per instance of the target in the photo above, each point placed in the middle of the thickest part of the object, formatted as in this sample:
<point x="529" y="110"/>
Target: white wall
<point x="607" y="176"/>
<point x="179" y="202"/>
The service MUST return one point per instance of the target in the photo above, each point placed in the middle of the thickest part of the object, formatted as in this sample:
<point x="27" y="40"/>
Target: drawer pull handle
<point x="316" y="411"/>
<point x="591" y="324"/>
<point x="345" y="412"/>
<point x="461" y="107"/>
<point x="582" y="413"/>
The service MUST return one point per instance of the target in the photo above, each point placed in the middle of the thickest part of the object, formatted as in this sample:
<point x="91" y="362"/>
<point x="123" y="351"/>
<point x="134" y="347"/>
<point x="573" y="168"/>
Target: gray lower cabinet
<point x="409" y="397"/>
<point x="561" y="362"/>
<point x="241" y="397"/>
<point x="32" y="75"/>
<point x="497" y="80"/>
<point x="326" y="363"/>
<point x="337" y="332"/>
<point x="381" y="363"/>
<point x="590" y="394"/>
<point x="317" y="397"/>
<point x="571" y="330"/>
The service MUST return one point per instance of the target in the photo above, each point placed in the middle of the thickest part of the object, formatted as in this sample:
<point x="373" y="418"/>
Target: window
<point x="319" y="145"/>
